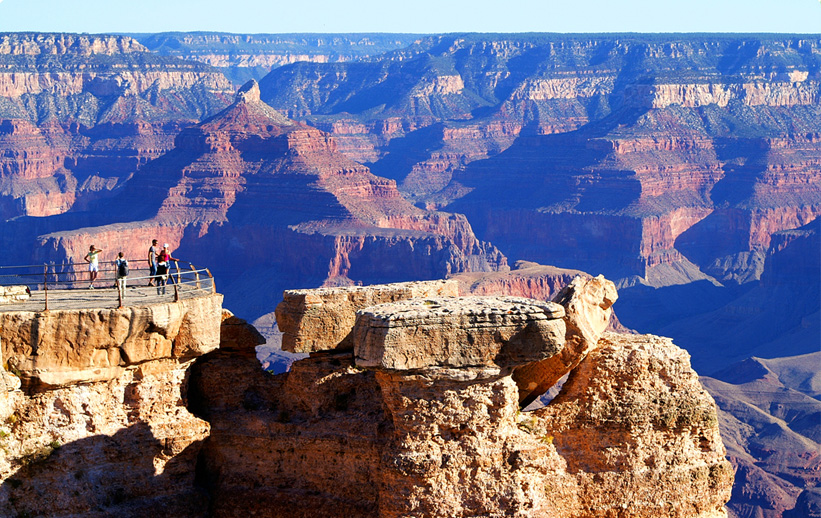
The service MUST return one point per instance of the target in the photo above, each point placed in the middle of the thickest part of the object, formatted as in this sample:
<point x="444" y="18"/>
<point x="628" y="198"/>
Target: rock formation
<point x="290" y="204"/>
<point x="101" y="426"/>
<point x="80" y="113"/>
<point x="588" y="303"/>
<point x="420" y="418"/>
<point x="768" y="411"/>
<point x="431" y="426"/>
<point x="326" y="316"/>
<point x="250" y="56"/>
<point x="684" y="165"/>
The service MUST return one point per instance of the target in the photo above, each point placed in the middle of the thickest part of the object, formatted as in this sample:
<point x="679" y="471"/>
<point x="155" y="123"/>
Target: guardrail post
<point x="196" y="275"/>
<point x="176" y="293"/>
<point x="213" y="284"/>
<point x="45" y="286"/>
<point x="177" y="266"/>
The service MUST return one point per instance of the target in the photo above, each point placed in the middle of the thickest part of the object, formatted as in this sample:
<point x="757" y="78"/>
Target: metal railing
<point x="66" y="285"/>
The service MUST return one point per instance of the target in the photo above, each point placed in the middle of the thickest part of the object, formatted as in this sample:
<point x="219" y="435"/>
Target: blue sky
<point x="422" y="16"/>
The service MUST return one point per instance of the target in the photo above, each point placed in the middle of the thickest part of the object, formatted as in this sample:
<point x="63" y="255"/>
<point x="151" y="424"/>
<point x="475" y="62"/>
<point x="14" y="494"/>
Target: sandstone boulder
<point x="499" y="332"/>
<point x="238" y="336"/>
<point x="587" y="305"/>
<point x="322" y="319"/>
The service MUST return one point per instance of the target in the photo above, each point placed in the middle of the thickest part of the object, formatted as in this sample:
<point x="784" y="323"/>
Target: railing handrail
<point x="67" y="276"/>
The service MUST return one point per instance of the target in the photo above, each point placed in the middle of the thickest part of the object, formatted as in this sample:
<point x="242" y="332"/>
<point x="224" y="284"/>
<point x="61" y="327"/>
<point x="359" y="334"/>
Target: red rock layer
<point x="282" y="195"/>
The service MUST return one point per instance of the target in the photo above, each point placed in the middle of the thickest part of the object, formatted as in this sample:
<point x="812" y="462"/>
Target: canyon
<point x="683" y="167"/>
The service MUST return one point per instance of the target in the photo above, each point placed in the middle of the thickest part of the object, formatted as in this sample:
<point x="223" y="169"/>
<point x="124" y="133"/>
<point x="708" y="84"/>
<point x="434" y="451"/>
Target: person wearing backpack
<point x="121" y="264"/>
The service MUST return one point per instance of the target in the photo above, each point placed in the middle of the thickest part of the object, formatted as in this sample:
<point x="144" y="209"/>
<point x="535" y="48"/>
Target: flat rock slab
<point x="322" y="319"/>
<point x="458" y="332"/>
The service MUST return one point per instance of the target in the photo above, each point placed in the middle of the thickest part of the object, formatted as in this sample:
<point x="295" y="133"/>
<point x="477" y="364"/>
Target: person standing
<point x="92" y="258"/>
<point x="121" y="265"/>
<point x="152" y="262"/>
<point x="163" y="264"/>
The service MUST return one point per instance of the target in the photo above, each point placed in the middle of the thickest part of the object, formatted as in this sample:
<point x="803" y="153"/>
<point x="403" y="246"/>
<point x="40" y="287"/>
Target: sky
<point x="411" y="16"/>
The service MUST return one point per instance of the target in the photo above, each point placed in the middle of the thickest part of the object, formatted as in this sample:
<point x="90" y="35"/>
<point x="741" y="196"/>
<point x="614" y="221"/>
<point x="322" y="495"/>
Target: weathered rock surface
<point x="633" y="432"/>
<point x="65" y="347"/>
<point x="12" y="294"/>
<point x="587" y="304"/>
<point x="491" y="332"/>
<point x="102" y="428"/>
<point x="639" y="432"/>
<point x="322" y="319"/>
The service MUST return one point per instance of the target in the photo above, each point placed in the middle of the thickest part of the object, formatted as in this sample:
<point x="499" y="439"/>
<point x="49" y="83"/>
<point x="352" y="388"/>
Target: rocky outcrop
<point x="101" y="425"/>
<point x="103" y="344"/>
<point x="421" y="418"/>
<point x="431" y="426"/>
<point x="524" y="279"/>
<point x="601" y="425"/>
<point x="322" y="319"/>
<point x="587" y="303"/>
<point x="453" y="332"/>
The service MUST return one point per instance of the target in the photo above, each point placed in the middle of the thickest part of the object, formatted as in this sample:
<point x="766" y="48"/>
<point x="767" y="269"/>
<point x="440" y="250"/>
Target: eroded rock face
<point x="322" y="319"/>
<point x="102" y="427"/>
<point x="65" y="347"/>
<point x="632" y="433"/>
<point x="497" y="332"/>
<point x="431" y="428"/>
<point x="587" y="304"/>
<point x="639" y="432"/>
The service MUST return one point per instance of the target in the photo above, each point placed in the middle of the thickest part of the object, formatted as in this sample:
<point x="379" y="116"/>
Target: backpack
<point x="122" y="268"/>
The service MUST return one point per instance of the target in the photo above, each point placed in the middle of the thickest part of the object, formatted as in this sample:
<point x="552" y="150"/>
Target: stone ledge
<point x="65" y="347"/>
<point x="322" y="319"/>
<point x="458" y="332"/>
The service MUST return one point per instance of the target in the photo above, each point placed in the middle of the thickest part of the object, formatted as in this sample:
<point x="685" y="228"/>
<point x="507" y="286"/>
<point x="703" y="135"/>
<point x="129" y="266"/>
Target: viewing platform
<point x="66" y="286"/>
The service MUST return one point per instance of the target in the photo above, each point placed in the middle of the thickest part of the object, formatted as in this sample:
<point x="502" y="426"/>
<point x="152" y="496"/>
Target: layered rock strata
<point x="499" y="332"/>
<point x="431" y="426"/>
<point x="79" y="114"/>
<point x="326" y="316"/>
<point x="101" y="426"/>
<point x="243" y="56"/>
<point x="291" y="204"/>
<point x="684" y="153"/>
